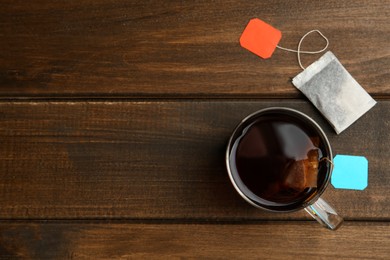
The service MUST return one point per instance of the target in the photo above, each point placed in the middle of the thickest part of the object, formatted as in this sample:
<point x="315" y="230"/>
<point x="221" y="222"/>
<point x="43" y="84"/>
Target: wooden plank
<point x="158" y="160"/>
<point x="273" y="240"/>
<point x="180" y="48"/>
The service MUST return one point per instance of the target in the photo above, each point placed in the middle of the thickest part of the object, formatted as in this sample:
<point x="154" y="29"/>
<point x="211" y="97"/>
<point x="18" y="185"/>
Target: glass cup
<point x="280" y="160"/>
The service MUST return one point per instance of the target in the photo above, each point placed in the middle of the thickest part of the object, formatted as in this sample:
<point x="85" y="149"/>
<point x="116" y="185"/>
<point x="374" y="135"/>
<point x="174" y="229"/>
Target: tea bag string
<point x="327" y="159"/>
<point x="298" y="51"/>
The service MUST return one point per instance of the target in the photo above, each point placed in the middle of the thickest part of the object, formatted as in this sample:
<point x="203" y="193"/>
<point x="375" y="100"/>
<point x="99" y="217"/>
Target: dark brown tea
<point x="276" y="160"/>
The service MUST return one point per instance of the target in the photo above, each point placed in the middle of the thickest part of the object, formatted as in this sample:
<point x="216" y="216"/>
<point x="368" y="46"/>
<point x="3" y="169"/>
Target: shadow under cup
<point x="279" y="159"/>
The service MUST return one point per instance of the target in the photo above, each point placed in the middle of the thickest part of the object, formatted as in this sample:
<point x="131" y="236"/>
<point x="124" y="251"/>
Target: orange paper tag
<point x="260" y="38"/>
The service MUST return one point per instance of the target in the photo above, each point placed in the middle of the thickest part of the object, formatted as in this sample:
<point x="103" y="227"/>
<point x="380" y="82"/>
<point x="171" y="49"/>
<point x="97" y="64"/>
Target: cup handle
<point x="324" y="214"/>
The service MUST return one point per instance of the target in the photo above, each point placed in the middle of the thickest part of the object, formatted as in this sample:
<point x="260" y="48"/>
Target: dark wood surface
<point x="270" y="240"/>
<point x="180" y="48"/>
<point x="115" y="115"/>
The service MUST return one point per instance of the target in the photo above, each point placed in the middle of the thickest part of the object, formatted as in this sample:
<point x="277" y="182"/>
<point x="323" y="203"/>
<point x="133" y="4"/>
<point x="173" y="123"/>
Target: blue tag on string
<point x="350" y="172"/>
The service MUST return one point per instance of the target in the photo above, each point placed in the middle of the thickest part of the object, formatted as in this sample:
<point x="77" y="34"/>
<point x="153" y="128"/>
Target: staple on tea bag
<point x="335" y="93"/>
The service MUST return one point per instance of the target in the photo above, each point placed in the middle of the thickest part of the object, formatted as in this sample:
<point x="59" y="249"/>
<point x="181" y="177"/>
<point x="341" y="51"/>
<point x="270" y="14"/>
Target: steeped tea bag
<point x="302" y="174"/>
<point x="335" y="93"/>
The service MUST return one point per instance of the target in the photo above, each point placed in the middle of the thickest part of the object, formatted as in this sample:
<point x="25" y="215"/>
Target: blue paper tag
<point x="350" y="172"/>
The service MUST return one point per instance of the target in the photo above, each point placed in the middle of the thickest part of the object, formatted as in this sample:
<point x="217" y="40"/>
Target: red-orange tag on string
<point x="260" y="38"/>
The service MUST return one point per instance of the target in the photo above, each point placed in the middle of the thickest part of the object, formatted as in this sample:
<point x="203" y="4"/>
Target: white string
<point x="298" y="51"/>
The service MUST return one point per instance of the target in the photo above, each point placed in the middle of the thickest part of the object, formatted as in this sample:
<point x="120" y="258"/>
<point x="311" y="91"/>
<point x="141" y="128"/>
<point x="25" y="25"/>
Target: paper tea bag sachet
<point x="335" y="93"/>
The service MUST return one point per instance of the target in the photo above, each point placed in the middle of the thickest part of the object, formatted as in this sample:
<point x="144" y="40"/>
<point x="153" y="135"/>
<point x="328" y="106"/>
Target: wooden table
<point x="115" y="115"/>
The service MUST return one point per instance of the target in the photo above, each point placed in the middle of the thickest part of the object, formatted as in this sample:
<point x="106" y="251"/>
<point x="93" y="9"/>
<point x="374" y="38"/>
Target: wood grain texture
<point x="157" y="160"/>
<point x="280" y="240"/>
<point x="180" y="48"/>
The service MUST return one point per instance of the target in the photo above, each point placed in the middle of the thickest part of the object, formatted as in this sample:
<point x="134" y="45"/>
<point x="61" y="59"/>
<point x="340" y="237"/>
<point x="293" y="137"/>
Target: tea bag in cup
<point x="334" y="92"/>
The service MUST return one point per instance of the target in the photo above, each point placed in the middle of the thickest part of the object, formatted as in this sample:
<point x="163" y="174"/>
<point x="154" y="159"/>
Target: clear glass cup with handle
<point x="280" y="160"/>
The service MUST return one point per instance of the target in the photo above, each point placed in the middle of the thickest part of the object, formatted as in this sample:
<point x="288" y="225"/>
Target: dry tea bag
<point x="335" y="93"/>
<point x="326" y="83"/>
